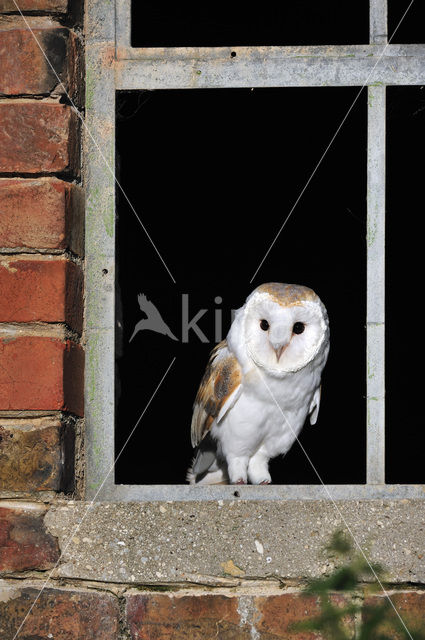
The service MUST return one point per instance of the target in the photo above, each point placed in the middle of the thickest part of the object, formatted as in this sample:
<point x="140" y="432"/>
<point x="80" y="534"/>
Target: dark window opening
<point x="405" y="434"/>
<point x="207" y="24"/>
<point x="412" y="26"/>
<point x="212" y="175"/>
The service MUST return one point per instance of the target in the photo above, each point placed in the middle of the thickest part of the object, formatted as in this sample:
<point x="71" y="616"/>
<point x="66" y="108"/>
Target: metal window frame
<point x="111" y="65"/>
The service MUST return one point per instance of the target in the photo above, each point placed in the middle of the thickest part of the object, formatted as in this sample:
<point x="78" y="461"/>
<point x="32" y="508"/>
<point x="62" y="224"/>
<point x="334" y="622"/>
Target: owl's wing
<point x="220" y="387"/>
<point x="315" y="406"/>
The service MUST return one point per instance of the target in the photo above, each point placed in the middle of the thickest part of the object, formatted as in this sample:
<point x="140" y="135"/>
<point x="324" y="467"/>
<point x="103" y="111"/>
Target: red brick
<point x="24" y="542"/>
<point x="411" y="607"/>
<point x="39" y="373"/>
<point x="277" y="614"/>
<point x="41" y="213"/>
<point x="60" y="614"/>
<point x="32" y="454"/>
<point x="26" y="6"/>
<point x="172" y="617"/>
<point x="41" y="290"/>
<point x="37" y="137"/>
<point x="27" y="71"/>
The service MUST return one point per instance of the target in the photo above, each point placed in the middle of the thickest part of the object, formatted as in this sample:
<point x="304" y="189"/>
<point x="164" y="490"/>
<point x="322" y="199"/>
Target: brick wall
<point x="41" y="385"/>
<point x="41" y="247"/>
<point x="41" y="294"/>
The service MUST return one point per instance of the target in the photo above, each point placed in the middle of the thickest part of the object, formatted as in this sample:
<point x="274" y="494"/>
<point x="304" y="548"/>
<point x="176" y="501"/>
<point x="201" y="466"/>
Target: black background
<point x="213" y="175"/>
<point x="411" y="29"/>
<point x="405" y="422"/>
<point x="221" y="23"/>
<point x="216" y="174"/>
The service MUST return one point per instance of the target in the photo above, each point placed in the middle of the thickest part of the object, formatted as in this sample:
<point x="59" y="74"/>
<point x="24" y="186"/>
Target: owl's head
<point x="283" y="327"/>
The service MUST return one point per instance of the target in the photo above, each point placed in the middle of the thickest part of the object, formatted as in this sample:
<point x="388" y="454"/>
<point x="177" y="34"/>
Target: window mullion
<point x="376" y="261"/>
<point x="99" y="160"/>
<point x="378" y="21"/>
<point x="123" y="24"/>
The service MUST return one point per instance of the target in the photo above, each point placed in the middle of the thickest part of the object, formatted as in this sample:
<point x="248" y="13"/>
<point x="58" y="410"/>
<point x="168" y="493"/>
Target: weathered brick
<point x="156" y="616"/>
<point x="411" y="607"/>
<point x="32" y="454"/>
<point x="24" y="542"/>
<point x="38" y="137"/>
<point x="41" y="213"/>
<point x="39" y="373"/>
<point x="276" y="615"/>
<point x="42" y="289"/>
<point x="27" y="71"/>
<point x="28" y="6"/>
<point x="153" y="616"/>
<point x="60" y="614"/>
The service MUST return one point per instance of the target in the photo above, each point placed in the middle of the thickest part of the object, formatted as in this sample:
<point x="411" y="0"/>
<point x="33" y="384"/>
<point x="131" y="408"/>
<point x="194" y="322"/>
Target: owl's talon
<point x="240" y="481"/>
<point x="265" y="482"/>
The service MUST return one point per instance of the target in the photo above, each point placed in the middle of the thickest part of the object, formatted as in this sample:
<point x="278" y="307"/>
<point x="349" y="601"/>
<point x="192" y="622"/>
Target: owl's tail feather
<point x="205" y="467"/>
<point x="216" y="476"/>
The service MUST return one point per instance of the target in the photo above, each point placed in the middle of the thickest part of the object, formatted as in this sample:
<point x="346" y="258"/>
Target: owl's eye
<point x="298" y="327"/>
<point x="264" y="325"/>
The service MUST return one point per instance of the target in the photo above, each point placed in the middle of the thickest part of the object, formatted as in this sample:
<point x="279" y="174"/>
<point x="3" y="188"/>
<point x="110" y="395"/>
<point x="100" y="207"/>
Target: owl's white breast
<point x="269" y="413"/>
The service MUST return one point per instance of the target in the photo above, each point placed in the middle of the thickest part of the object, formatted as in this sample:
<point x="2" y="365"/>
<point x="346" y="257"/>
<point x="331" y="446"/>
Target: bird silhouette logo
<point x="153" y="321"/>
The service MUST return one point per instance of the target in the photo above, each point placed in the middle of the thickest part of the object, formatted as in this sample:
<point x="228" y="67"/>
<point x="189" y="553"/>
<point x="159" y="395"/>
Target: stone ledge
<point x="212" y="542"/>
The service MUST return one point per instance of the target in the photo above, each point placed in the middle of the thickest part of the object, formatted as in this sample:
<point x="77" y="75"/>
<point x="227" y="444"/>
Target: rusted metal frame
<point x="268" y="54"/>
<point x="378" y="22"/>
<point x="123" y="24"/>
<point x="99" y="142"/>
<point x="256" y="66"/>
<point x="186" y="493"/>
<point x="375" y="314"/>
<point x="270" y="67"/>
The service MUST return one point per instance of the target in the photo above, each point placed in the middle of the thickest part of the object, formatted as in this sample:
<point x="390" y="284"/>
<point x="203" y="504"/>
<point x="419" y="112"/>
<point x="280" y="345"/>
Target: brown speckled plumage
<point x="288" y="294"/>
<point x="221" y="378"/>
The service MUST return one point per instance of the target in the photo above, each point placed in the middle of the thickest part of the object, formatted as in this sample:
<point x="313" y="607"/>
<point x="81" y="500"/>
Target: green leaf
<point x="339" y="543"/>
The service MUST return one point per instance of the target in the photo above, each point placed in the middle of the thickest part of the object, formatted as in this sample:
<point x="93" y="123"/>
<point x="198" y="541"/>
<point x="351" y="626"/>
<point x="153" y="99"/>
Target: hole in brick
<point x="233" y="54"/>
<point x="64" y="99"/>
<point x="236" y="494"/>
<point x="104" y="271"/>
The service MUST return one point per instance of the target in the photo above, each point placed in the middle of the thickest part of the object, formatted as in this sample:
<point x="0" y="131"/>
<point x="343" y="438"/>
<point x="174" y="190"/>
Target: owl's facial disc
<point x="283" y="338"/>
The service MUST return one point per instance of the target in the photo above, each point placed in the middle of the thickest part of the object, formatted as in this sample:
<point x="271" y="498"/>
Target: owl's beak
<point x="279" y="350"/>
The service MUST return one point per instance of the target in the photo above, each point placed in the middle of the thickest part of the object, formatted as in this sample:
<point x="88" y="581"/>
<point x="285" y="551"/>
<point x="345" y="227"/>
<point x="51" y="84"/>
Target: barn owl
<point x="260" y="385"/>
